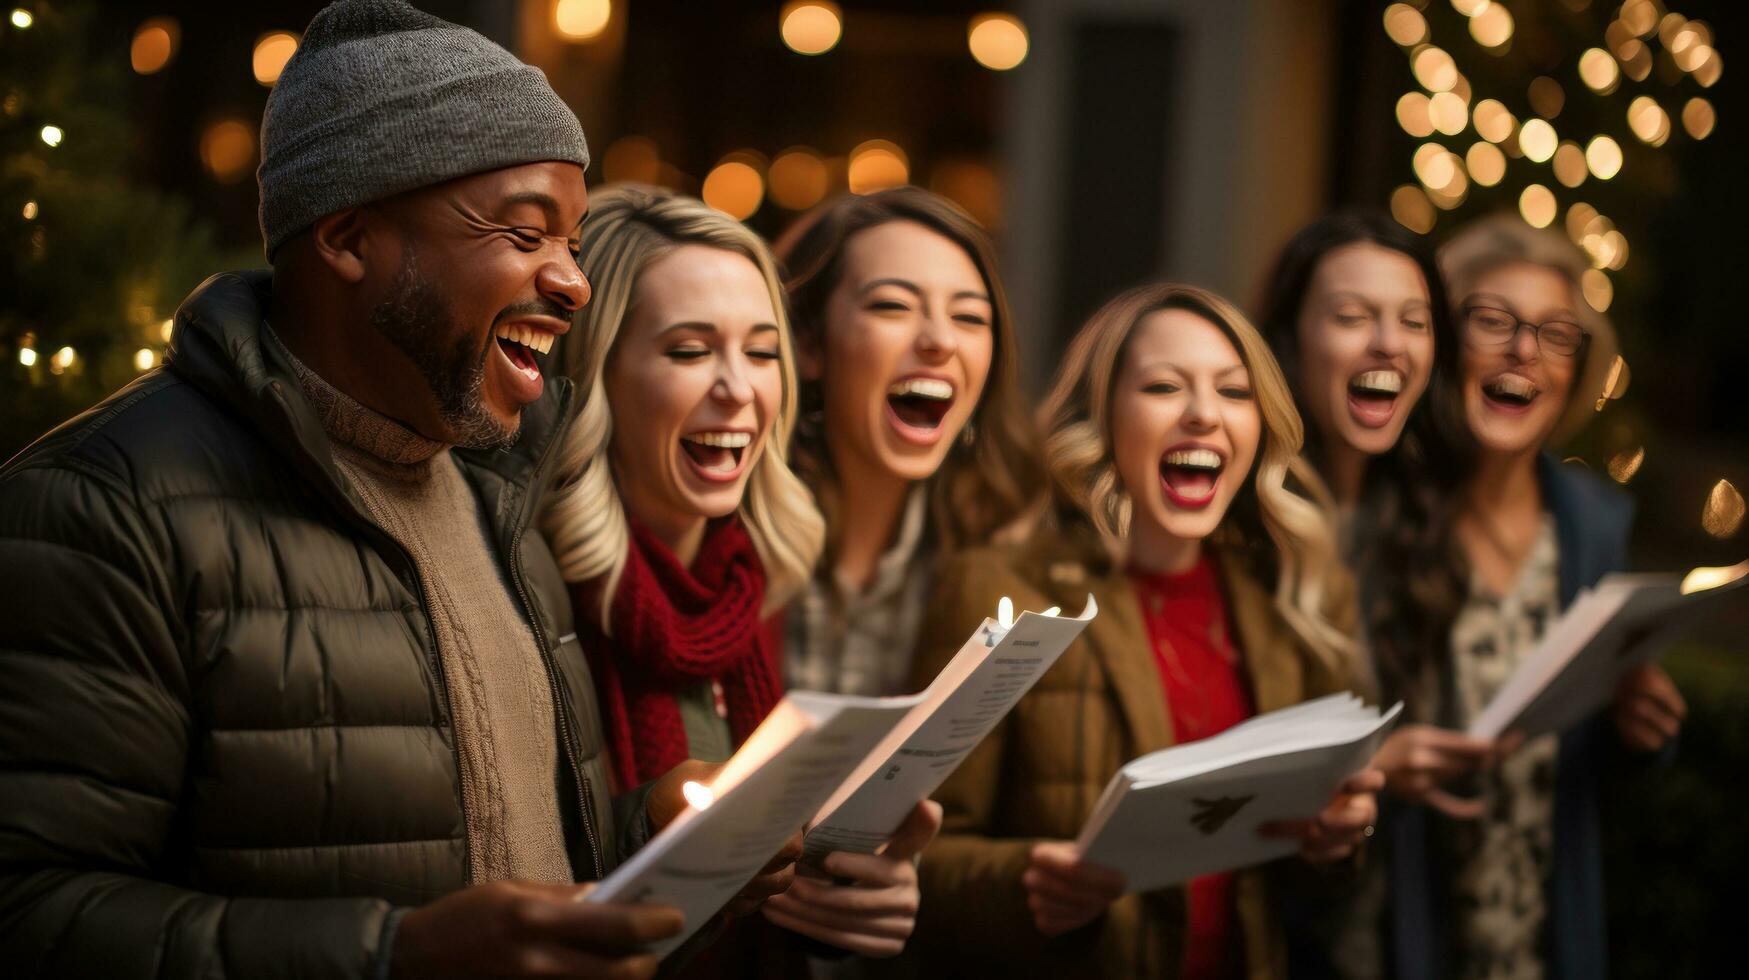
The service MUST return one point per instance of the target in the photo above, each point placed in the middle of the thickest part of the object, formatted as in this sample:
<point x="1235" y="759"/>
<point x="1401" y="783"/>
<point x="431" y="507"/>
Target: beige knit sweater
<point x="500" y="697"/>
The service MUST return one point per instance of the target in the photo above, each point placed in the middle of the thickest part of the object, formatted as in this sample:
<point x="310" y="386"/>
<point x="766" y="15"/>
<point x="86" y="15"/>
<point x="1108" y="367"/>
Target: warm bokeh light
<point x="1537" y="139"/>
<point x="1722" y="516"/>
<point x="1412" y="209"/>
<point x="798" y="179"/>
<point x="1698" y="118"/>
<point x="632" y="158"/>
<point x="1493" y="121"/>
<point x="144" y="359"/>
<point x="1415" y="115"/>
<point x="1455" y="190"/>
<point x="734" y="186"/>
<point x="154" y="45"/>
<point x="227" y="149"/>
<point x="1434" y="165"/>
<point x="1598" y="71"/>
<point x="1623" y="465"/>
<point x="1708" y="74"/>
<point x="997" y="41"/>
<point x="1486" y="164"/>
<point x="62" y="360"/>
<point x="52" y="135"/>
<point x="1703" y="578"/>
<point x="272" y="51"/>
<point x="21" y="18"/>
<point x="1578" y="216"/>
<point x="1470" y="8"/>
<point x="582" y="20"/>
<point x="1405" y="25"/>
<point x="811" y="26"/>
<point x="1547" y="97"/>
<point x="1434" y="69"/>
<point x="1537" y="206"/>
<point x="30" y="210"/>
<point x="877" y="164"/>
<point x="1636" y="60"/>
<point x="1640" y="17"/>
<point x="1603" y="156"/>
<point x="1491" y="26"/>
<point x="1648" y="120"/>
<point x="27" y="356"/>
<point x="1693" y="56"/>
<point x="1615" y="384"/>
<point x="1569" y="164"/>
<point x="166" y="328"/>
<point x="1598" y="290"/>
<point x="1448" y="113"/>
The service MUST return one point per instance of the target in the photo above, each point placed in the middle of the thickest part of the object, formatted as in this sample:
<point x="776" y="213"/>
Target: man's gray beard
<point x="416" y="319"/>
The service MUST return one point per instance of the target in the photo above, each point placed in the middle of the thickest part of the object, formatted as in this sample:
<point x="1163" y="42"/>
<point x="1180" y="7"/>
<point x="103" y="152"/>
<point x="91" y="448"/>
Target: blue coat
<point x="1592" y="520"/>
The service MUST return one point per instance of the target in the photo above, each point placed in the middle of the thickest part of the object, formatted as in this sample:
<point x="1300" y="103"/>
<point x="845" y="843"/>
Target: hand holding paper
<point x="1065" y="892"/>
<point x="875" y="912"/>
<point x="1649" y="711"/>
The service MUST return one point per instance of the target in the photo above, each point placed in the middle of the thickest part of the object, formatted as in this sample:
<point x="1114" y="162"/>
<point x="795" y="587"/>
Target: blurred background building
<point x="1105" y="141"/>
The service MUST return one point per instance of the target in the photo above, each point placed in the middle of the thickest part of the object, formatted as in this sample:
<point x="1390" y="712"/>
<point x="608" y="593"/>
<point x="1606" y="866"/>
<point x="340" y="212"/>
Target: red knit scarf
<point x="675" y="628"/>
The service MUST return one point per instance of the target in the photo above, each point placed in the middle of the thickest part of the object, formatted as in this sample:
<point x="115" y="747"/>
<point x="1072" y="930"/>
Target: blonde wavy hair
<point x="1273" y="525"/>
<point x="584" y="519"/>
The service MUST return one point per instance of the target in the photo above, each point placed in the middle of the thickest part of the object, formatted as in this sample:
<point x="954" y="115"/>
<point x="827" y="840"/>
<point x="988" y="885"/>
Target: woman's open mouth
<point x="519" y="344"/>
<point x="718" y="457"/>
<point x="917" y="406"/>
<point x="1510" y="393"/>
<point x="1189" y="476"/>
<point x="1372" y="397"/>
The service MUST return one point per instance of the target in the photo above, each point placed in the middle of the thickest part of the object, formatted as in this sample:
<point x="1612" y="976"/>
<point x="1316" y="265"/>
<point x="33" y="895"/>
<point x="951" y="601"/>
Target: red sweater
<point x="1206" y="693"/>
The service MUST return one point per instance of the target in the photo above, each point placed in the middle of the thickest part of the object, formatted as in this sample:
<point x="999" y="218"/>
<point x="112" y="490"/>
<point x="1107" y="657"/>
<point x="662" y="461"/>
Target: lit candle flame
<point x="698" y="795"/>
<point x="1005" y="612"/>
<point x="1053" y="611"/>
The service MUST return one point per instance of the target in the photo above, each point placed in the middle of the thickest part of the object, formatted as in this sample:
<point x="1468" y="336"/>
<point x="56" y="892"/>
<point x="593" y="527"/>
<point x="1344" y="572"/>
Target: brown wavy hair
<point x="982" y="487"/>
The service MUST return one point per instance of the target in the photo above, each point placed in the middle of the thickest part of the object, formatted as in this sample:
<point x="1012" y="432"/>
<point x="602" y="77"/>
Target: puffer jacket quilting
<point x="225" y="747"/>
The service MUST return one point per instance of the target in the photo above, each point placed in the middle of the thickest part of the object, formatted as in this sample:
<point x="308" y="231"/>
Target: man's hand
<point x="523" y="929"/>
<point x="874" y="914"/>
<point x="1418" y="760"/>
<point x="1649" y="711"/>
<point x="1335" y="832"/>
<point x="1065" y="892"/>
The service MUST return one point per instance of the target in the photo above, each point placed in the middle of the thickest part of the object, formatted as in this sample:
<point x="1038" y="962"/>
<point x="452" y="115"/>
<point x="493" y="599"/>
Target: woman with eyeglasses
<point x="1513" y="887"/>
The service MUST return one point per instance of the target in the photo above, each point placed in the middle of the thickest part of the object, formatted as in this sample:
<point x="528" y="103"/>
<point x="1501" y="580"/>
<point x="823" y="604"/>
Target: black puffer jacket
<point x="225" y="746"/>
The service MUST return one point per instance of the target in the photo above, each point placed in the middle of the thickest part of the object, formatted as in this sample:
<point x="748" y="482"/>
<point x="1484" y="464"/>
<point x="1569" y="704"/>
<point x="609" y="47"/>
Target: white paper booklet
<point x="791" y="763"/>
<point x="981" y="684"/>
<point x="1626" y="620"/>
<point x="1194" y="809"/>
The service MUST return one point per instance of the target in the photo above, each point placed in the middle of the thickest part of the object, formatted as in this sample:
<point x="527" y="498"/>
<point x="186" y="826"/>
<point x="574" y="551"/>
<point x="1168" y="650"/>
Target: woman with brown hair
<point x="914" y="437"/>
<point x="1171" y="442"/>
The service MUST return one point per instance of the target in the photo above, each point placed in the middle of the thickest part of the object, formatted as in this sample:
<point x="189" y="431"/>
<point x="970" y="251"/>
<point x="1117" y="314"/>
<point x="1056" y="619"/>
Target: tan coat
<point x="1039" y="774"/>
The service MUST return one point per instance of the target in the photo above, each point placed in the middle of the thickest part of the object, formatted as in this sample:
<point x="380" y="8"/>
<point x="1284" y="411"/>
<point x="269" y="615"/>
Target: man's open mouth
<point x="520" y="344"/>
<point x="921" y="402"/>
<point x="1511" y="390"/>
<point x="1189" y="476"/>
<point x="716" y="453"/>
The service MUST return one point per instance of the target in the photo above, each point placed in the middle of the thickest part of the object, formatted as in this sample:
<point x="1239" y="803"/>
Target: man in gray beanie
<point x="289" y="690"/>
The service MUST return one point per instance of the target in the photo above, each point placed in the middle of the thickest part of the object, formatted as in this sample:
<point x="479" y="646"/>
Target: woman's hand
<point x="874" y="914"/>
<point x="1335" y="832"/>
<point x="1064" y="892"/>
<point x="1648" y="709"/>
<point x="1418" y="760"/>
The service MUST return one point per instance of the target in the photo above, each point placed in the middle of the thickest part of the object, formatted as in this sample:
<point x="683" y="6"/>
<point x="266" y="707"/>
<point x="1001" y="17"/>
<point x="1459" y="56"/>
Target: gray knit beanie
<point x="381" y="98"/>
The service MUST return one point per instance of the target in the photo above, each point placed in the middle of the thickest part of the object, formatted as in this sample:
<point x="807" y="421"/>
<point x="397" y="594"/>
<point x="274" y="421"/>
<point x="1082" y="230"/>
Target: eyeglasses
<point x="1489" y="326"/>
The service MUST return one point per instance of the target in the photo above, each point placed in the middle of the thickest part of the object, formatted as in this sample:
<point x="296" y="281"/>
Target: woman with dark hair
<point x="914" y="437"/>
<point x="1357" y="313"/>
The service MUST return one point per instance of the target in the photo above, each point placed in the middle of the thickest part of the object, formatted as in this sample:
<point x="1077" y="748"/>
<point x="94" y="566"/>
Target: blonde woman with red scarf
<point x="678" y="522"/>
